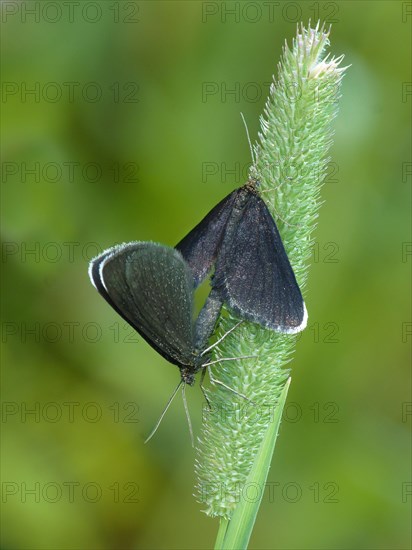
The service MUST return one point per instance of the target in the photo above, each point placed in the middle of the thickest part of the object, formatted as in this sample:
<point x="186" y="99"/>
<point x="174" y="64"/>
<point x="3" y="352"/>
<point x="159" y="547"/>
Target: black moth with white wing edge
<point x="152" y="288"/>
<point x="252" y="274"/>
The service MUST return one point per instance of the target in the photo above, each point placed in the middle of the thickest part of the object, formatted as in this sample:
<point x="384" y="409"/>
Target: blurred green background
<point x="120" y="121"/>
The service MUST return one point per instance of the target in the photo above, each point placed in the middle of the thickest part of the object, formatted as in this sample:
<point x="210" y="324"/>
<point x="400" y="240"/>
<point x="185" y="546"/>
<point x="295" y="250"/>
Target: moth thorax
<point x="188" y="375"/>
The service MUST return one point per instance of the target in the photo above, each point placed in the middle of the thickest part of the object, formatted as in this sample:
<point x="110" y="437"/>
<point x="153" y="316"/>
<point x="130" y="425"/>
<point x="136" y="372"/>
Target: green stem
<point x="223" y="525"/>
<point x="243" y="520"/>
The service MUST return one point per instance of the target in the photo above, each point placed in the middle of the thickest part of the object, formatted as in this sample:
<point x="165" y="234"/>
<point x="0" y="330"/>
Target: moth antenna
<point x="187" y="414"/>
<point x="163" y="413"/>
<point x="221" y="338"/>
<point x="248" y="138"/>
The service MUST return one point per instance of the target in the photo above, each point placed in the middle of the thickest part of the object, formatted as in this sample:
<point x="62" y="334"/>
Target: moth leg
<point x="202" y="379"/>
<point x="219" y="383"/>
